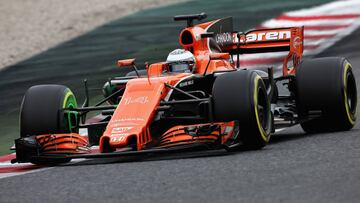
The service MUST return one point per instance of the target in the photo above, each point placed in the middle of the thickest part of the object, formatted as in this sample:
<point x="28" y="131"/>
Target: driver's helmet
<point x="181" y="61"/>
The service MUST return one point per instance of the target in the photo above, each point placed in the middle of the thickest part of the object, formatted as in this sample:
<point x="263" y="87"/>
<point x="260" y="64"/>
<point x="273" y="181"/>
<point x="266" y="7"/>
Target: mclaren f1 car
<point x="199" y="97"/>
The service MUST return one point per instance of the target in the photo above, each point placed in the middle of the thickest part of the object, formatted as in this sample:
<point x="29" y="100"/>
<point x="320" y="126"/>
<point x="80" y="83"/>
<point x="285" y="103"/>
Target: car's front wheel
<point x="42" y="111"/>
<point x="241" y="96"/>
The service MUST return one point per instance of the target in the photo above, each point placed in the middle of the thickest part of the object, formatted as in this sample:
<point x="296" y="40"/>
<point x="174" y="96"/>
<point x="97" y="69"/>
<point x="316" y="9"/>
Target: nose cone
<point x="109" y="143"/>
<point x="119" y="140"/>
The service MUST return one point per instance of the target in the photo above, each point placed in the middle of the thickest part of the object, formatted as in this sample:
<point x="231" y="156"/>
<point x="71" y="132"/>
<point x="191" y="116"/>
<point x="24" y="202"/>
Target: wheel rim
<point x="70" y="117"/>
<point x="262" y="110"/>
<point x="350" y="94"/>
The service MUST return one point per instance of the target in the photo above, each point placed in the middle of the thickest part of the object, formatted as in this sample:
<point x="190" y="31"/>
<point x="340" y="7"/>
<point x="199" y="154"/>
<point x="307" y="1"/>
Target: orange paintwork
<point x="129" y="125"/>
<point x="291" y="38"/>
<point x="177" y="135"/>
<point x="126" y="62"/>
<point x="131" y="120"/>
<point x="296" y="50"/>
<point x="219" y="56"/>
<point x="136" y="111"/>
<point x="63" y="143"/>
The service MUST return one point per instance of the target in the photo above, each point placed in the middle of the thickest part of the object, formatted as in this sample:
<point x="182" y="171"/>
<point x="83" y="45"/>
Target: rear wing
<point x="267" y="40"/>
<point x="219" y="36"/>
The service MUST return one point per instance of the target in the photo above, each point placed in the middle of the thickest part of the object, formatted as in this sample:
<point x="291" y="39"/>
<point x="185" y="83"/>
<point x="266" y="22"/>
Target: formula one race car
<point x="198" y="98"/>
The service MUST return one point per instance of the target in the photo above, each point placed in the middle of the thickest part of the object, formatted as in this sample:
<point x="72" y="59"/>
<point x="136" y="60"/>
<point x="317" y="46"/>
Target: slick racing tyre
<point x="326" y="95"/>
<point x="241" y="96"/>
<point x="42" y="111"/>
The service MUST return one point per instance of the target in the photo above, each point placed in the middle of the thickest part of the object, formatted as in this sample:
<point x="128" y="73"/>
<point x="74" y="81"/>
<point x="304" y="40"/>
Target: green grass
<point x="9" y="131"/>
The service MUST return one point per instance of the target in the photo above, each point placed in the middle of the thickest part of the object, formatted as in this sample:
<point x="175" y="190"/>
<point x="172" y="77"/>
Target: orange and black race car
<point x="199" y="98"/>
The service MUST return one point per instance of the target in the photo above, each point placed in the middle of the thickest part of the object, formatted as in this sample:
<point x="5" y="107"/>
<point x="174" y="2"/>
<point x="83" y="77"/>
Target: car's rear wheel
<point x="326" y="87"/>
<point x="241" y="96"/>
<point x="42" y="111"/>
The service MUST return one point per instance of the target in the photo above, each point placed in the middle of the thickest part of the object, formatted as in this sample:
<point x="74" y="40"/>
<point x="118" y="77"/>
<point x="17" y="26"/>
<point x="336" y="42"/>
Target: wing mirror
<point x="127" y="63"/>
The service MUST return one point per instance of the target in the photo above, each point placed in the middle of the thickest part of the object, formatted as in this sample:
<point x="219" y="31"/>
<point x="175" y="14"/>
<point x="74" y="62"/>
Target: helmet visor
<point x="181" y="67"/>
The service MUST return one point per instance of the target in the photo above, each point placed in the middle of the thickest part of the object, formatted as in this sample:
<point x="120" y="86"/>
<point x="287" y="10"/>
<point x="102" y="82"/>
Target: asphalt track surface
<point x="294" y="167"/>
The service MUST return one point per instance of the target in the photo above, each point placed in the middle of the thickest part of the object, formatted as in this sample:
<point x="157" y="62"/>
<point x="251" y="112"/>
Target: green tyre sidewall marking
<point x="70" y="117"/>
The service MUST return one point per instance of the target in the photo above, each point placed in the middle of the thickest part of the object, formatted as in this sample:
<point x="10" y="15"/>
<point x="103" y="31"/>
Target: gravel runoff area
<point x="29" y="27"/>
